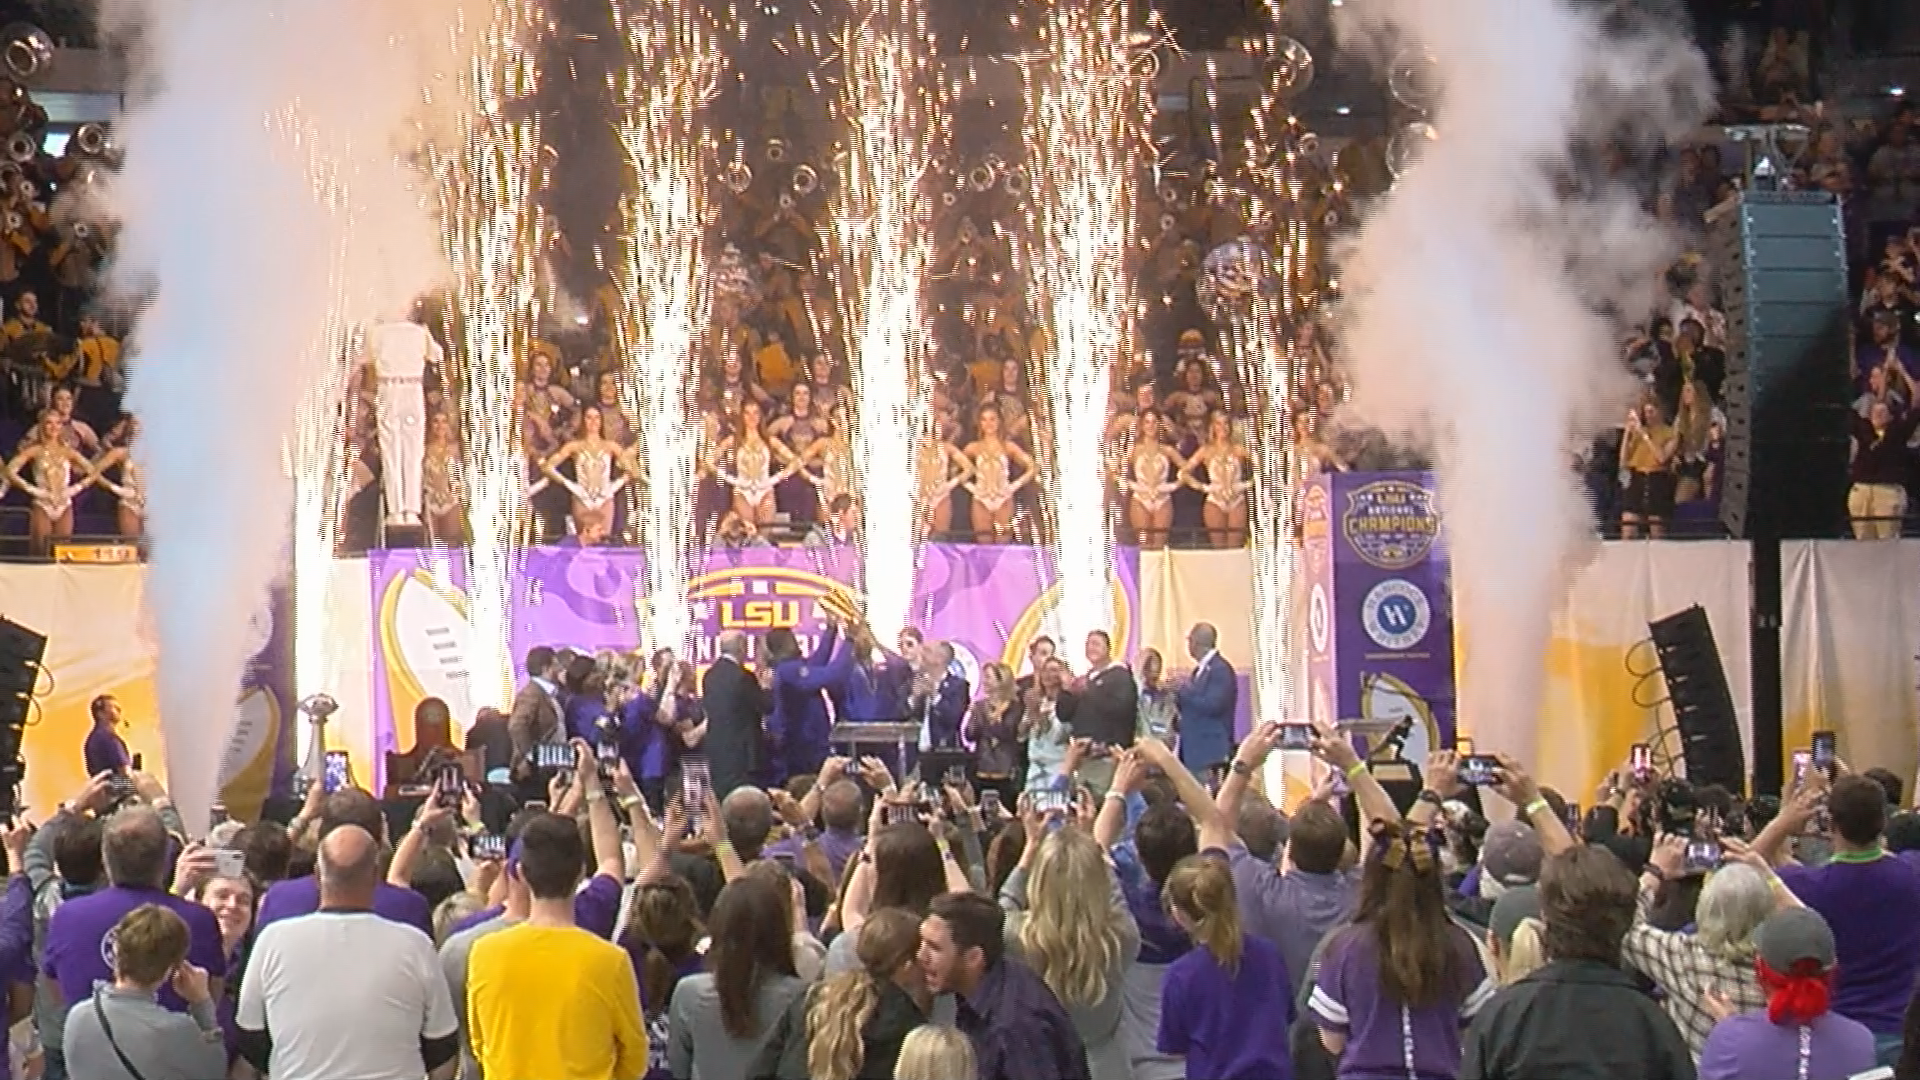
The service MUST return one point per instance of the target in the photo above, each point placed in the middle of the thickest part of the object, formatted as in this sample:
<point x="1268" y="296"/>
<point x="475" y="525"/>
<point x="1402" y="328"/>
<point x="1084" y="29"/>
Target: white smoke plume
<point x="265" y="192"/>
<point x="1475" y="296"/>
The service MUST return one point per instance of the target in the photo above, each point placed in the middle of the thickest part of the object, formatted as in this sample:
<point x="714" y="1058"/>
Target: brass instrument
<point x="777" y="150"/>
<point x="82" y="230"/>
<point x="91" y="139"/>
<point x="15" y="222"/>
<point x="1017" y="182"/>
<point x="981" y="177"/>
<point x="739" y="177"/>
<point x="22" y="147"/>
<point x="27" y="52"/>
<point x="806" y="180"/>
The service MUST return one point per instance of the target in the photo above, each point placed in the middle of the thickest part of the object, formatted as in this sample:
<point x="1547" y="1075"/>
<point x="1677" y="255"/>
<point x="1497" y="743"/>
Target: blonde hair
<point x="1201" y="890"/>
<point x="451" y="911"/>
<point x="1071" y="934"/>
<point x="843" y="1005"/>
<point x="936" y="1052"/>
<point x="1525" y="953"/>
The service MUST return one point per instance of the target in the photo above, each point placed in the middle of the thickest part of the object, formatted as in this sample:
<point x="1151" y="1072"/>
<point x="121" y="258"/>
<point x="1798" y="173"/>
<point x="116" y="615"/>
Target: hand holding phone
<point x="337" y="772"/>
<point x="1296" y="736"/>
<point x="1826" y="751"/>
<point x="1478" y="770"/>
<point x="229" y="864"/>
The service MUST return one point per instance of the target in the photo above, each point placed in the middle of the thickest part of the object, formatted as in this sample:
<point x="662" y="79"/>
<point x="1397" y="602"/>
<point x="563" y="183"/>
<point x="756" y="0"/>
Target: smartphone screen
<point x="1478" y="770"/>
<point x="487" y="846"/>
<point x="1296" y="736"/>
<point x="452" y="786"/>
<point x="229" y="864"/>
<point x="139" y="763"/>
<point x="335" y="777"/>
<point x="552" y="756"/>
<point x="1825" y="749"/>
<point x="990" y="806"/>
<point x="1574" y="819"/>
<point x="696" y="781"/>
<point x="1640" y="762"/>
<point x="1703" y="854"/>
<point x="1802" y="765"/>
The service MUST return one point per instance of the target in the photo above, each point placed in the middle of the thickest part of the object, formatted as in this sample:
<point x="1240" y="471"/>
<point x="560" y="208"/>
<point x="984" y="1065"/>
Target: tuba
<point x="91" y="139"/>
<point x="776" y="150"/>
<point x="27" y="52"/>
<point x="806" y="180"/>
<point x="22" y="147"/>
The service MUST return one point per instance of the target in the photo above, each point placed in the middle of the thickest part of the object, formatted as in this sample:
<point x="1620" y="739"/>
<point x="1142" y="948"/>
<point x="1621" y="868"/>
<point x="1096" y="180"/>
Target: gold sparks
<point x="493" y="233"/>
<point x="880" y="243"/>
<point x="1089" y="102"/>
<point x="661" y="279"/>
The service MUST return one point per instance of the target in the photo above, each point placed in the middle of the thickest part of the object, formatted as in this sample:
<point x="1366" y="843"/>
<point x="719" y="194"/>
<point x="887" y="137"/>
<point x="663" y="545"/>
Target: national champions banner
<point x="1379" y="604"/>
<point x="990" y="601"/>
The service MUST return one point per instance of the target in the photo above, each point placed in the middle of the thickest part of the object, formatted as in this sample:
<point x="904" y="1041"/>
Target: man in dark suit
<point x="736" y="706"/>
<point x="1206" y="699"/>
<point x="1109" y="707"/>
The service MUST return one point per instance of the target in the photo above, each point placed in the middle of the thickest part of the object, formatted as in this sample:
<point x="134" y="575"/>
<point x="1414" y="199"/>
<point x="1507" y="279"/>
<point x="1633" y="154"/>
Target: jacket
<point x="1574" y="1020"/>
<point x="1207" y="704"/>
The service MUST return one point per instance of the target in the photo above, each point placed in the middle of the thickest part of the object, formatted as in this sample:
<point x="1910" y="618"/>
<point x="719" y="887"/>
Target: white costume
<point x="400" y="353"/>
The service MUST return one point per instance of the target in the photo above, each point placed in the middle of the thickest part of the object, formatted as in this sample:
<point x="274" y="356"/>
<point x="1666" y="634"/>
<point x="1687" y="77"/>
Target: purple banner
<point x="1379" y="604"/>
<point x="990" y="601"/>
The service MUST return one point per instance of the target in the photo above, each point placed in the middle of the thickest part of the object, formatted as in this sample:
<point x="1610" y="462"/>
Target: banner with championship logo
<point x="1379" y="605"/>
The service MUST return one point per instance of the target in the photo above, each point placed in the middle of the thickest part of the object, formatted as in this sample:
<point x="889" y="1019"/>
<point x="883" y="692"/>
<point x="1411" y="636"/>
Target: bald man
<point x="1207" y="700"/>
<point x="295" y="1023"/>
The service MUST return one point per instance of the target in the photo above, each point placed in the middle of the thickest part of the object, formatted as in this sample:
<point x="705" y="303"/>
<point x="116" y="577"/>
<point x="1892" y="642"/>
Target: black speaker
<point x="1782" y="262"/>
<point x="1702" y="704"/>
<point x="21" y="651"/>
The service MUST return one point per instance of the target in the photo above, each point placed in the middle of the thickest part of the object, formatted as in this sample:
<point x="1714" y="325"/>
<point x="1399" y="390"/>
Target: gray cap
<point x="1511" y="854"/>
<point x="1508" y="911"/>
<point x="1795" y="936"/>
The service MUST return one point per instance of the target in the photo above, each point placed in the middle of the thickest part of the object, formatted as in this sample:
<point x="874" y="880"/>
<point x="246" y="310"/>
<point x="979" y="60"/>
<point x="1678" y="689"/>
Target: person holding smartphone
<point x="121" y="1027"/>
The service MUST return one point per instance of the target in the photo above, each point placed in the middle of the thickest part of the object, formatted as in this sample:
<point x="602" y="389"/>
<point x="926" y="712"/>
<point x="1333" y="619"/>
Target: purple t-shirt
<point x="1879" y="955"/>
<point x="1386" y="1040"/>
<point x="595" y="909"/>
<point x="79" y="949"/>
<point x="1204" y="1010"/>
<point x="105" y="751"/>
<point x="301" y="896"/>
<point x="1751" y="1047"/>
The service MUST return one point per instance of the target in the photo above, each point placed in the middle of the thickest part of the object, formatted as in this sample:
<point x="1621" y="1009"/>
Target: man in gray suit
<point x="535" y="718"/>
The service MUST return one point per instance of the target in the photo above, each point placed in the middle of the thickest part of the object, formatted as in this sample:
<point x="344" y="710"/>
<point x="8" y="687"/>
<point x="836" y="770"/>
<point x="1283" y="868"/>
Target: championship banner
<point x="990" y="601"/>
<point x="1379" y="605"/>
<point x="259" y="759"/>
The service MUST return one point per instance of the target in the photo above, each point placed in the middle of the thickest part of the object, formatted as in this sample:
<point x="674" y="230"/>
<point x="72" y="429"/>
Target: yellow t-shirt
<point x="550" y="1002"/>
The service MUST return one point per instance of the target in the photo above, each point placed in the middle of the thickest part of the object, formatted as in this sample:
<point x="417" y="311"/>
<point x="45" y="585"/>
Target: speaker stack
<point x="21" y="651"/>
<point x="1702" y="703"/>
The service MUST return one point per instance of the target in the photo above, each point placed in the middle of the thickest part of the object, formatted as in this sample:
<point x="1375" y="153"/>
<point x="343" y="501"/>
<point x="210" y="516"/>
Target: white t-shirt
<point x="401" y="350"/>
<point x="345" y="996"/>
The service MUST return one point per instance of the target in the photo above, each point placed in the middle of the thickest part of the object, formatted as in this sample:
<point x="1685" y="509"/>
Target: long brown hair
<point x="1200" y="890"/>
<point x="844" y="1004"/>
<point x="1403" y="907"/>
<point x="752" y="934"/>
<point x="664" y="928"/>
<point x="907" y="869"/>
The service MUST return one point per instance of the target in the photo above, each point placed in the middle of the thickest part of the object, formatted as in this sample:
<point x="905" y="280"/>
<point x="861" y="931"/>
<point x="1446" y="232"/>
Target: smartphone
<point x="552" y="756"/>
<point x="990" y="805"/>
<point x="1825" y="750"/>
<point x="1802" y="765"/>
<point x="899" y="813"/>
<point x="956" y="776"/>
<point x="1575" y="819"/>
<point x="1296" y="736"/>
<point x="539" y="805"/>
<point x="335" y="776"/>
<point x="1640" y="762"/>
<point x="1703" y="854"/>
<point x="1339" y="786"/>
<point x="139" y="763"/>
<point x="488" y="846"/>
<point x="1478" y="770"/>
<point x="1048" y="800"/>
<point x="229" y="864"/>
<point x="120" y="786"/>
<point x="452" y="785"/>
<point x="696" y="783"/>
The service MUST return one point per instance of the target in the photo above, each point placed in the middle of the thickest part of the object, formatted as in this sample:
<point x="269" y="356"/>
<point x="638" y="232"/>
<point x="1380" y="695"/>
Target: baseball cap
<point x="1511" y="854"/>
<point x="1513" y="906"/>
<point x="1795" y="941"/>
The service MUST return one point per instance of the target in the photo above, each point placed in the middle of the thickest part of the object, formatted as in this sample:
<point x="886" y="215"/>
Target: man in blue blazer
<point x="1206" y="701"/>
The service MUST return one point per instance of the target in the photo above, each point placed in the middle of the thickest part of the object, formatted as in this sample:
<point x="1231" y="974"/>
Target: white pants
<point x="1876" y="510"/>
<point x="402" y="409"/>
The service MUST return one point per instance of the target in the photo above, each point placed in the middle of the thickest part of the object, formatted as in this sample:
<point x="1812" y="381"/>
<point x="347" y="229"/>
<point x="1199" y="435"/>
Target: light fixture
<point x="1343" y="110"/>
<point x="1896" y="91"/>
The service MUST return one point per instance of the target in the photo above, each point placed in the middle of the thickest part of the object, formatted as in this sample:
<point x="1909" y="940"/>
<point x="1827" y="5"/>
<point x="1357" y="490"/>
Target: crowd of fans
<point x="1127" y="908"/>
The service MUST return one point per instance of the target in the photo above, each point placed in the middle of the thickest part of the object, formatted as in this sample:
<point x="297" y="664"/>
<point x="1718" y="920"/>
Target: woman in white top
<point x="595" y="459"/>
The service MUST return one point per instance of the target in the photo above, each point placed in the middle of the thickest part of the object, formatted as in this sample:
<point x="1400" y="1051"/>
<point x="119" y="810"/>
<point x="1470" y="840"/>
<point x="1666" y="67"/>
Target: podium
<point x="1379" y="605"/>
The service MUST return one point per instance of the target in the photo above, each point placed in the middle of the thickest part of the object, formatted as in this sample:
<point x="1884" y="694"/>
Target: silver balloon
<point x="1406" y="145"/>
<point x="1231" y="276"/>
<point x="1414" y="79"/>
<point x="1292" y="66"/>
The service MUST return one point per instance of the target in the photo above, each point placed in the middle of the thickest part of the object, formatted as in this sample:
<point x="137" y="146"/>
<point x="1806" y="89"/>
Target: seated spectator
<point x="121" y="1032"/>
<point x="1580" y="1016"/>
<point x="1795" y="961"/>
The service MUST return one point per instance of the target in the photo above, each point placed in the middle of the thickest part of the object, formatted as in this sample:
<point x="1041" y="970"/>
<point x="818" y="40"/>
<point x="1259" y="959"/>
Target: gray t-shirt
<point x="453" y="963"/>
<point x="162" y="1044"/>
<point x="699" y="1045"/>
